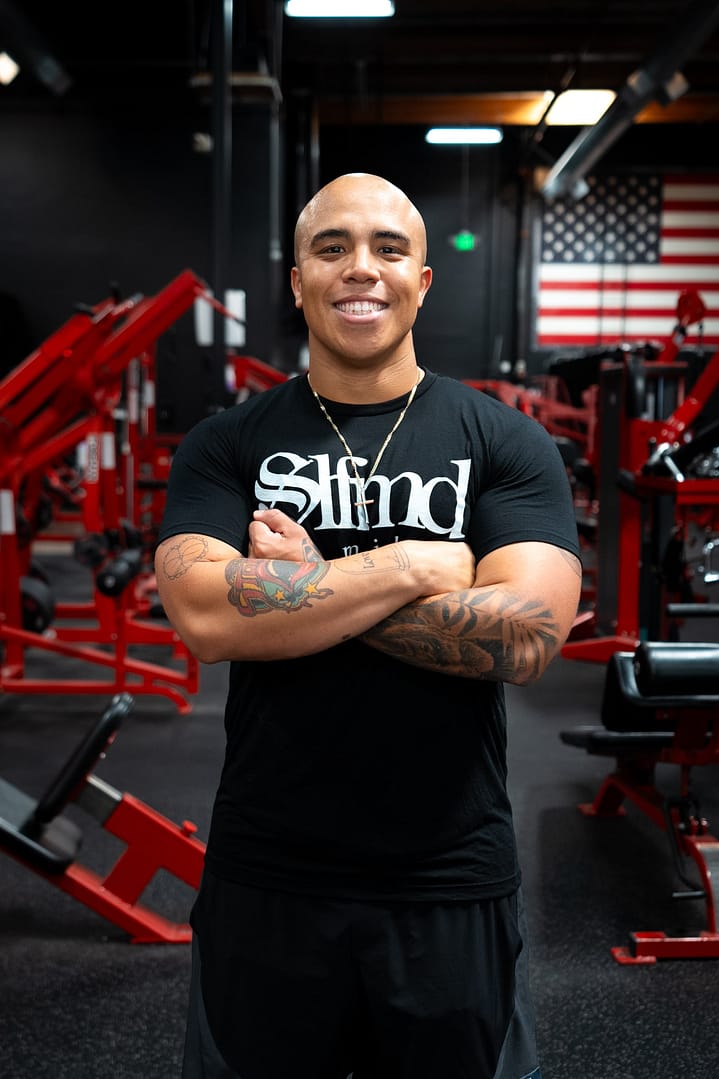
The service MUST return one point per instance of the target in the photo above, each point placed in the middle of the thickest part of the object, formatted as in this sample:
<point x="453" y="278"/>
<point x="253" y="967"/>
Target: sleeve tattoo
<point x="478" y="634"/>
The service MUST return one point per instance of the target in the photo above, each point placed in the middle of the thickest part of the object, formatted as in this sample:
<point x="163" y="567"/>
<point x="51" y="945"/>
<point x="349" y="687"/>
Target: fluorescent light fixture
<point x="463" y="136"/>
<point x="339" y="9"/>
<point x="579" y="107"/>
<point x="8" y="69"/>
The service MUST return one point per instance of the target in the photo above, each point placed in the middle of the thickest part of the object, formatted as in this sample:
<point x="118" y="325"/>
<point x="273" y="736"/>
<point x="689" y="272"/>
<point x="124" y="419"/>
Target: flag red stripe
<point x="573" y="339"/>
<point x="687" y="260"/>
<point x="629" y="286"/>
<point x="608" y="312"/>
<point x="701" y="234"/>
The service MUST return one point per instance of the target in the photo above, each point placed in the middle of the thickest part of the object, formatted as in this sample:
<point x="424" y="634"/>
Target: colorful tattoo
<point x="310" y="553"/>
<point x="258" y="585"/>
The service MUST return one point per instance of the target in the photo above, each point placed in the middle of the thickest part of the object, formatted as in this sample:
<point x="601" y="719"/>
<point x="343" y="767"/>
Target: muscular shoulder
<point x="498" y="428"/>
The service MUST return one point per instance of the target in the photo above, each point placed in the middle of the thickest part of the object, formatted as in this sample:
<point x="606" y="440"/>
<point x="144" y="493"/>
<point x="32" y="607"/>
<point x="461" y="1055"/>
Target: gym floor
<point x="80" y="1001"/>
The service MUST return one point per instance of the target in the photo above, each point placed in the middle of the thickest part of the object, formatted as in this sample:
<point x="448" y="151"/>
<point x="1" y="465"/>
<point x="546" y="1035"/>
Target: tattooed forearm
<point x="180" y="556"/>
<point x="259" y="585"/>
<point x="479" y="634"/>
<point x="397" y="560"/>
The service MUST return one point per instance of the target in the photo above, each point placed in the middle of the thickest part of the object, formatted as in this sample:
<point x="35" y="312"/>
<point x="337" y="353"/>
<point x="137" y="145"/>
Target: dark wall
<point x="465" y="326"/>
<point x="94" y="197"/>
<point x="91" y="199"/>
<point x="92" y="194"/>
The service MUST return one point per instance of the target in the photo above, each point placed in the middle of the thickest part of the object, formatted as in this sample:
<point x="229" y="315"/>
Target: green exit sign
<point x="464" y="241"/>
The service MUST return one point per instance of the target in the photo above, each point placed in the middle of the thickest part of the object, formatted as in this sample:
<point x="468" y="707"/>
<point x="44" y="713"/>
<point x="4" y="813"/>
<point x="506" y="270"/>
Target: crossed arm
<point x="507" y="627"/>
<point x="426" y="603"/>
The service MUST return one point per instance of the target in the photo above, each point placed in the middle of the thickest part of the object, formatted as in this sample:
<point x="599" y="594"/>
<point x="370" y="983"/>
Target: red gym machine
<point x="659" y="706"/>
<point x="650" y="430"/>
<point x="65" y="397"/>
<point x="41" y="836"/>
<point x="546" y="400"/>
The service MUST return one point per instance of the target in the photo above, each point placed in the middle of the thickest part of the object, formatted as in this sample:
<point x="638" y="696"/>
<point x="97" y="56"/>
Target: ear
<point x="425" y="281"/>
<point x="296" y="283"/>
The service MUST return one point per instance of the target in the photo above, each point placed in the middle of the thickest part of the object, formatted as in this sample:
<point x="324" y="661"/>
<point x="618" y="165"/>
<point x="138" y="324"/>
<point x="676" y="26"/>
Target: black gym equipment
<point x="660" y="705"/>
<point x="41" y="836"/>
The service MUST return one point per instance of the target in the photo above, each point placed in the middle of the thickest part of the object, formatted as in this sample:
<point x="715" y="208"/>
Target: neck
<point x="364" y="386"/>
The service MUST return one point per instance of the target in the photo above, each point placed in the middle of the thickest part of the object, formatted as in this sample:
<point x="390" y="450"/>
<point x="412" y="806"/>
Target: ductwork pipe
<point x="30" y="50"/>
<point x="659" y="79"/>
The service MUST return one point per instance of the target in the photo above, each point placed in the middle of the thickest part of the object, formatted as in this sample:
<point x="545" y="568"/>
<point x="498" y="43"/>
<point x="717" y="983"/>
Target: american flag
<point x="613" y="264"/>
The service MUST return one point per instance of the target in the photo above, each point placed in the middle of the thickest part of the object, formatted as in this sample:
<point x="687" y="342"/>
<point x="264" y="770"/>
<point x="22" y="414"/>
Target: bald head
<point x="359" y="189"/>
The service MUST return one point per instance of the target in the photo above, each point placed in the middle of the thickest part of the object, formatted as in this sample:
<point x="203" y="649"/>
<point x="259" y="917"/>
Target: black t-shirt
<point x="349" y="773"/>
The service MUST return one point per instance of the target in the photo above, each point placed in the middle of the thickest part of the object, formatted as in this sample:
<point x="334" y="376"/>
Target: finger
<point x="276" y="518"/>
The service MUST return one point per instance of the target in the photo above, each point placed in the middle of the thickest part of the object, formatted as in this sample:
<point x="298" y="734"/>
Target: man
<point x="376" y="548"/>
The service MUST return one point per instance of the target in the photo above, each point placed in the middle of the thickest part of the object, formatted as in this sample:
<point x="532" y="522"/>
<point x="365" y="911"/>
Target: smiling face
<point x="360" y="276"/>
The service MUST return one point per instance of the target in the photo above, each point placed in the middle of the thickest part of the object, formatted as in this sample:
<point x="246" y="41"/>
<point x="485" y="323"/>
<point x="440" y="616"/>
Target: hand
<point x="275" y="535"/>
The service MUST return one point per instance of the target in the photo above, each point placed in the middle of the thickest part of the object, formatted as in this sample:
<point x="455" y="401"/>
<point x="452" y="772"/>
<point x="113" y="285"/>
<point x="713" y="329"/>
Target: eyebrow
<point x="343" y="234"/>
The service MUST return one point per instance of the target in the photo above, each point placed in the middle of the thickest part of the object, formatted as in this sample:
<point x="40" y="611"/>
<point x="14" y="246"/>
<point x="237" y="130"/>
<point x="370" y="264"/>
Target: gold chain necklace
<point x="362" y="500"/>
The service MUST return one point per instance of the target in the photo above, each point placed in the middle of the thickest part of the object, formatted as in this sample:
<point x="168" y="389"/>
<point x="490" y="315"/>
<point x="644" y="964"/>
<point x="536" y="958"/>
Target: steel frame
<point x="65" y="395"/>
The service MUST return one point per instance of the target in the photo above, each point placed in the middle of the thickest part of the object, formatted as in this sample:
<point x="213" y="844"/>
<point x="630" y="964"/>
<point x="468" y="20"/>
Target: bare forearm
<point x="484" y="633"/>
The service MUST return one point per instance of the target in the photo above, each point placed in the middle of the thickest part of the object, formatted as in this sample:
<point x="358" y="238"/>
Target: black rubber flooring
<point x="79" y="1001"/>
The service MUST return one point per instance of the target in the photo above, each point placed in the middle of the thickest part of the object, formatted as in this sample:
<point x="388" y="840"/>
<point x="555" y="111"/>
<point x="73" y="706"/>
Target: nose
<point x="362" y="265"/>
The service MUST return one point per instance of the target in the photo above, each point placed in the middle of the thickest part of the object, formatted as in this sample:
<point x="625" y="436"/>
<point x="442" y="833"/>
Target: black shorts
<point x="296" y="987"/>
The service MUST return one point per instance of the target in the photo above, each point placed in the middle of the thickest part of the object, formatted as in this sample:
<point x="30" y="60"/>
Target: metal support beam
<point x="222" y="180"/>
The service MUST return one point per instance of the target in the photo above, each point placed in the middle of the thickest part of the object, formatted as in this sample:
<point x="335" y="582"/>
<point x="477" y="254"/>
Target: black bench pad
<point x="50" y="847"/>
<point x="36" y="830"/>
<point x="605" y="743"/>
<point x="625" y="707"/>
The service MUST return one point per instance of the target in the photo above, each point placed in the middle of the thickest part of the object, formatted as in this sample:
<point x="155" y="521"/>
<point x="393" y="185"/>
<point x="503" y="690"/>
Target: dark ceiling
<point x="434" y="61"/>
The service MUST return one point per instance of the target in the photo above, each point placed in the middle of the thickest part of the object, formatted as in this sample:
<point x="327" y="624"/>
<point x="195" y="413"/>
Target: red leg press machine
<point x="68" y="395"/>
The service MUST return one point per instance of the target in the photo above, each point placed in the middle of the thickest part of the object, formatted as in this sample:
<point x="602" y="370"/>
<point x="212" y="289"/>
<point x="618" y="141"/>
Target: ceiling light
<point x="339" y="9"/>
<point x="463" y="136"/>
<point x="8" y="69"/>
<point x="579" y="107"/>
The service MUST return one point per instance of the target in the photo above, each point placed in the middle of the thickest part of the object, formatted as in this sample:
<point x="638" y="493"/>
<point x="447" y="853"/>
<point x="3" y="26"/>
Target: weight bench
<point x="660" y="705"/>
<point x="38" y="835"/>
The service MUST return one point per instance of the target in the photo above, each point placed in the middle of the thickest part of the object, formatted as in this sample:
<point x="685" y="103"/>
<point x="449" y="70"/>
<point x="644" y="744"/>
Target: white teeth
<point x="362" y="307"/>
